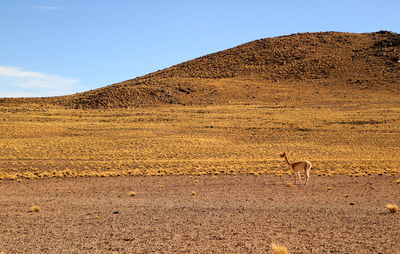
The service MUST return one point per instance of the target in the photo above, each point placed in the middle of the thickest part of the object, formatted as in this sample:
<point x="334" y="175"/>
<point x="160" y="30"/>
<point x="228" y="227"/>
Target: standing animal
<point x="297" y="167"/>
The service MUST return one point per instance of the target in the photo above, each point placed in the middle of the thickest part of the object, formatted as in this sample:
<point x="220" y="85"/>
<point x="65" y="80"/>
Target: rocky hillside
<point x="259" y="70"/>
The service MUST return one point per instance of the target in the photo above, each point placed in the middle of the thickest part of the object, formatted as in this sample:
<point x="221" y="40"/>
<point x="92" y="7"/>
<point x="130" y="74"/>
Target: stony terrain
<point x="322" y="65"/>
<point x="227" y="214"/>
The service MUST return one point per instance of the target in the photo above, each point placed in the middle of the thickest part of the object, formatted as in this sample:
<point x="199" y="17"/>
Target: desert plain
<point x="187" y="159"/>
<point x="199" y="179"/>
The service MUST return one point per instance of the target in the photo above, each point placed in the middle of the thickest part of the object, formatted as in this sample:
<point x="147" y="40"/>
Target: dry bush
<point x="35" y="209"/>
<point x="132" y="194"/>
<point x="392" y="208"/>
<point x="289" y="184"/>
<point x="398" y="181"/>
<point x="278" y="249"/>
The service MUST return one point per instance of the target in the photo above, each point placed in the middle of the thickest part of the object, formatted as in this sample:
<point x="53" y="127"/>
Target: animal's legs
<point x="298" y="173"/>
<point x="307" y="176"/>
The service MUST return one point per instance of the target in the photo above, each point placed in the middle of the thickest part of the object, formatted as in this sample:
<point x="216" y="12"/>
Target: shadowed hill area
<point x="300" y="68"/>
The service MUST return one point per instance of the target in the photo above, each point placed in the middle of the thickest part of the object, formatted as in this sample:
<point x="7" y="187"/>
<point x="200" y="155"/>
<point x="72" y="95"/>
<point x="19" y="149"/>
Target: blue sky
<point x="58" y="47"/>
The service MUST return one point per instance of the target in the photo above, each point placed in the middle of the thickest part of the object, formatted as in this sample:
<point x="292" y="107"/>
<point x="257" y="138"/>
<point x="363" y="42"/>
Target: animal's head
<point x="283" y="155"/>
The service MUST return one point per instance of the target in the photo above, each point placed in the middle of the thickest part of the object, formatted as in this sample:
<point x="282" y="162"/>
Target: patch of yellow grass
<point x="289" y="184"/>
<point x="278" y="249"/>
<point x="392" y="208"/>
<point x="192" y="140"/>
<point x="35" y="209"/>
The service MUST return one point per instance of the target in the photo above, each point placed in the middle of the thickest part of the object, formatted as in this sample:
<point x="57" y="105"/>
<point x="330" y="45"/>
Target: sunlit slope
<point x="320" y="66"/>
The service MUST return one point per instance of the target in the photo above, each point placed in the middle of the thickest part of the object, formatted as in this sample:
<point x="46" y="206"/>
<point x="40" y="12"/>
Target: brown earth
<point x="313" y="66"/>
<point x="335" y="91"/>
<point x="228" y="214"/>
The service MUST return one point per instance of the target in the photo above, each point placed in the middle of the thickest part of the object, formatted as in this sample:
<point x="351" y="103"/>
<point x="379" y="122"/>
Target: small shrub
<point x="289" y="184"/>
<point x="278" y="249"/>
<point x="392" y="208"/>
<point x="194" y="193"/>
<point x="35" y="209"/>
<point x="330" y="188"/>
<point x="398" y="181"/>
<point x="132" y="193"/>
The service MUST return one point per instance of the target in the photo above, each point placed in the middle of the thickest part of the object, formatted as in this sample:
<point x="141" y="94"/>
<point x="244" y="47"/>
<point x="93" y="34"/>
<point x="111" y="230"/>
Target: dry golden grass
<point x="392" y="208"/>
<point x="38" y="142"/>
<point x="278" y="249"/>
<point x="289" y="184"/>
<point x="35" y="209"/>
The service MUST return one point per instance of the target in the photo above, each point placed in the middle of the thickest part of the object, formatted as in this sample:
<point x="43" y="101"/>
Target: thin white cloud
<point x="16" y="82"/>
<point x="52" y="8"/>
<point x="47" y="7"/>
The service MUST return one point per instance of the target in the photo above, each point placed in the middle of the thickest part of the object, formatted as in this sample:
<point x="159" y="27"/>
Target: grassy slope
<point x="173" y="140"/>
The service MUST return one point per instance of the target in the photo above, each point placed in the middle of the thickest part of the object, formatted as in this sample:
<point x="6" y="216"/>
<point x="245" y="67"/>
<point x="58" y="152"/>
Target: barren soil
<point x="227" y="214"/>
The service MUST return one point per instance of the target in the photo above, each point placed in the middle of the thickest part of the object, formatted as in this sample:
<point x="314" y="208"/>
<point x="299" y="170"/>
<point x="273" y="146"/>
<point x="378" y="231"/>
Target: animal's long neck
<point x="286" y="159"/>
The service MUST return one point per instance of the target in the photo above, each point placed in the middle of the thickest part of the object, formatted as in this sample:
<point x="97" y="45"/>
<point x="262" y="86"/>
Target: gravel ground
<point x="178" y="214"/>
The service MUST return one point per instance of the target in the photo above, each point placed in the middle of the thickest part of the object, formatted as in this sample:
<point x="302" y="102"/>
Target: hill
<point x="300" y="68"/>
